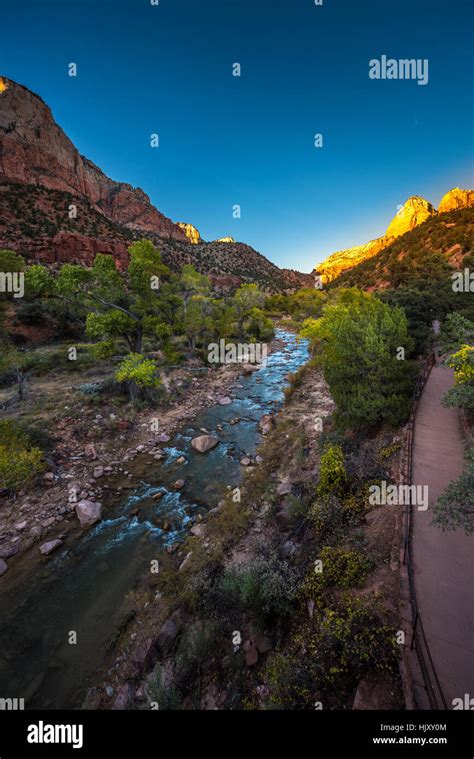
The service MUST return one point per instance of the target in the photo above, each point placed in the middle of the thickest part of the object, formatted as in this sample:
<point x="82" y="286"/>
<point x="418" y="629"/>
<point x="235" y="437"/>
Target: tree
<point x="455" y="508"/>
<point x="191" y="283"/>
<point x="19" y="459"/>
<point x="139" y="373"/>
<point x="362" y="345"/>
<point x="17" y="364"/>
<point x="113" y="304"/>
<point x="246" y="298"/>
<point x="456" y="335"/>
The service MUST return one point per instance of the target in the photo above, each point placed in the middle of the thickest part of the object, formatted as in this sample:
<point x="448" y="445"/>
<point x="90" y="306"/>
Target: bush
<point x="264" y="588"/>
<point x="341" y="569"/>
<point x="332" y="473"/>
<point x="20" y="461"/>
<point x="350" y="640"/>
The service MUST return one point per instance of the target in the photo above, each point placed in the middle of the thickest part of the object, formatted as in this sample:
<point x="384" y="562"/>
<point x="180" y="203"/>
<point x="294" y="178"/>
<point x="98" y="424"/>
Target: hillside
<point x="43" y="177"/>
<point x="411" y="215"/>
<point x="444" y="242"/>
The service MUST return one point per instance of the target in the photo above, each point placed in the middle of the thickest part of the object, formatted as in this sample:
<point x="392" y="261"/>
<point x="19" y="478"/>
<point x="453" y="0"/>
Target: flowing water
<point x="83" y="586"/>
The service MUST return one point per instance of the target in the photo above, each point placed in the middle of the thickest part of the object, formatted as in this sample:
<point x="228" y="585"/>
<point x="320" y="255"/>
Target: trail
<point x="443" y="561"/>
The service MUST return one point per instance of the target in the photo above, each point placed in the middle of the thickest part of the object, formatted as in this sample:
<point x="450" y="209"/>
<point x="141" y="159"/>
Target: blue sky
<point x="224" y="140"/>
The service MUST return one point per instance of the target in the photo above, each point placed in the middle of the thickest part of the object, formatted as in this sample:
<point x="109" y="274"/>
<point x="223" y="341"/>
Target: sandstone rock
<point x="191" y="232"/>
<point x="251" y="653"/>
<point x="249" y="368"/>
<point x="88" y="512"/>
<point x="158" y="496"/>
<point x="48" y="478"/>
<point x="143" y="653"/>
<point x="21" y="525"/>
<point x="163" y="437"/>
<point x="3" y="567"/>
<point x="179" y="484"/>
<point x="413" y="213"/>
<point x="186" y="561"/>
<point x="98" y="472"/>
<point x="455" y="199"/>
<point x="198" y="530"/>
<point x="167" y="636"/>
<point x="124" y="698"/>
<point x="204" y="443"/>
<point x="225" y="401"/>
<point x="90" y="452"/>
<point x="266" y="424"/>
<point x="245" y="461"/>
<point x="181" y="460"/>
<point x="50" y="546"/>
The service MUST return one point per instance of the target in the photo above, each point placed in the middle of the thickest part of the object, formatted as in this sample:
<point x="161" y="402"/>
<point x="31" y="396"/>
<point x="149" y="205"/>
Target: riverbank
<point x="181" y="648"/>
<point x="93" y="446"/>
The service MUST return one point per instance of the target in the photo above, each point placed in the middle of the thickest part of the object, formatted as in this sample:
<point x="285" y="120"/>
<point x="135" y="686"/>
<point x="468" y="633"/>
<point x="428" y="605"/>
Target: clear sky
<point x="225" y="140"/>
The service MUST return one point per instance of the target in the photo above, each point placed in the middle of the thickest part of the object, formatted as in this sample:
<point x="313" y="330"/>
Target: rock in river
<point x="204" y="443"/>
<point x="88" y="512"/>
<point x="50" y="546"/>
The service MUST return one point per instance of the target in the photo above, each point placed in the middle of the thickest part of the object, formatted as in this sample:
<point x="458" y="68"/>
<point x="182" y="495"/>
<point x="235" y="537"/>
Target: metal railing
<point x="419" y="642"/>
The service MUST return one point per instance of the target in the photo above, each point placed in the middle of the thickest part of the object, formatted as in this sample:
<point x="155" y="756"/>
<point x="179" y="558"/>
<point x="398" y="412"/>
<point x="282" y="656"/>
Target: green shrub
<point x="20" y="461"/>
<point x="341" y="569"/>
<point x="332" y="473"/>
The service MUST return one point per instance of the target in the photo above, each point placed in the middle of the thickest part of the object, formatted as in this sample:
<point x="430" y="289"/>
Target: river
<point x="82" y="588"/>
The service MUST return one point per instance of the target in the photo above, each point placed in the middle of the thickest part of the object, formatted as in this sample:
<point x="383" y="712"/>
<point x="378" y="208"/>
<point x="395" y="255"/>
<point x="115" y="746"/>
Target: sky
<point x="166" y="69"/>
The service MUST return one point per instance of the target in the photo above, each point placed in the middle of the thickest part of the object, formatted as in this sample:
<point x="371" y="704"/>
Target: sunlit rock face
<point x="3" y="85"/>
<point x="338" y="262"/>
<point x="455" y="199"/>
<point x="415" y="211"/>
<point x="225" y="239"/>
<point x="191" y="232"/>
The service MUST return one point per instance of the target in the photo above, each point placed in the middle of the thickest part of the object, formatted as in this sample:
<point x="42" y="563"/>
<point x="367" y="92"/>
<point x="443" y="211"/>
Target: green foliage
<point x="455" y="508"/>
<point x="167" y="698"/>
<point x="138" y="372"/>
<point x="264" y="588"/>
<point x="349" y="640"/>
<point x="340" y="569"/>
<point x="20" y="461"/>
<point x="456" y="331"/>
<point x="357" y="340"/>
<point x="332" y="474"/>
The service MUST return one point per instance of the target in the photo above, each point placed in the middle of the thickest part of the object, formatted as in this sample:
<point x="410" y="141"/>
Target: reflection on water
<point x="82" y="587"/>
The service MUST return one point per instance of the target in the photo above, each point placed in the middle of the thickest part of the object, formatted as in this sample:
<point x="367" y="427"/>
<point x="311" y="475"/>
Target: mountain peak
<point x="413" y="213"/>
<point x="456" y="198"/>
<point x="35" y="150"/>
<point x="191" y="232"/>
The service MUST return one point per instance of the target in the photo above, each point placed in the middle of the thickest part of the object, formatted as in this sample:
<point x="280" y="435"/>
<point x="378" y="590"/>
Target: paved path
<point x="443" y="561"/>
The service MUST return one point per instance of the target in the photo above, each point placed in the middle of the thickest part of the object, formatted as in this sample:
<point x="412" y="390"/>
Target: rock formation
<point x="456" y="198"/>
<point x="414" y="212"/>
<point x="191" y="232"/>
<point x="35" y="150"/>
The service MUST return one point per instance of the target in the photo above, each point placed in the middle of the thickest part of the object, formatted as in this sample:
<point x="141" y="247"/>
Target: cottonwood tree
<point x="357" y="342"/>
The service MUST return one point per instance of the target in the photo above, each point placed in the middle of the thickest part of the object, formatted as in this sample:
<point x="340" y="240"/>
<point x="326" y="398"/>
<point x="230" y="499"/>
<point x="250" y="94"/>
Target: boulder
<point x="245" y="461"/>
<point x="90" y="452"/>
<point x="225" y="401"/>
<point x="167" y="636"/>
<point x="124" y="698"/>
<point x="3" y="567"/>
<point x="266" y="423"/>
<point x="204" y="443"/>
<point x="88" y="512"/>
<point x="98" y="472"/>
<point x="179" y="485"/>
<point x="199" y="530"/>
<point x="50" y="546"/>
